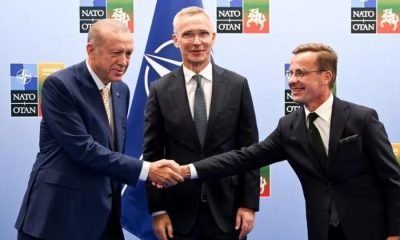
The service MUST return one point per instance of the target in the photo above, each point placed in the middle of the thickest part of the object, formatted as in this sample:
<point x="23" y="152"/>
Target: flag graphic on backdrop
<point x="26" y="87"/>
<point x="375" y="16"/>
<point x="160" y="57"/>
<point x="91" y="11"/>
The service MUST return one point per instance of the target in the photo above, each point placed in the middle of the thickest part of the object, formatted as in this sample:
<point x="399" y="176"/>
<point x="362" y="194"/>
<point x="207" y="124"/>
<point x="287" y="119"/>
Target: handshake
<point x="166" y="173"/>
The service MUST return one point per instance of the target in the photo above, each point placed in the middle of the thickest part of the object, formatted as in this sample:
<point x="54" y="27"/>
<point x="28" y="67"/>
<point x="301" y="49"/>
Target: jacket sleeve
<point x="388" y="170"/>
<point x="63" y="119"/>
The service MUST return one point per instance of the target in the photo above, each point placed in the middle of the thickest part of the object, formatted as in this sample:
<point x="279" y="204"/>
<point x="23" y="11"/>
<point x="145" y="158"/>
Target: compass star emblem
<point x="23" y="76"/>
<point x="157" y="63"/>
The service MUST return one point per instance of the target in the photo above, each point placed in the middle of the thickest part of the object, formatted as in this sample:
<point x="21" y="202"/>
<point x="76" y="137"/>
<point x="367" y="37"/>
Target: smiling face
<point x="110" y="51"/>
<point x="194" y="37"/>
<point x="313" y="88"/>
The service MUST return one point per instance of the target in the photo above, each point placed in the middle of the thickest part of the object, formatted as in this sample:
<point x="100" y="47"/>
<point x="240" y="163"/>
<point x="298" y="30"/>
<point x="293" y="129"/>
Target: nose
<point x="123" y="60"/>
<point x="292" y="79"/>
<point x="196" y="39"/>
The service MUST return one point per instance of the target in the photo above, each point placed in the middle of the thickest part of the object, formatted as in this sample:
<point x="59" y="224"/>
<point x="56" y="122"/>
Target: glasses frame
<point x="190" y="36"/>
<point x="300" y="73"/>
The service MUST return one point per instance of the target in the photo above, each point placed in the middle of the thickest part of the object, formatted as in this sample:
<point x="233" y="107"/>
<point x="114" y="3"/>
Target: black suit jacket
<point x="170" y="133"/>
<point x="363" y="176"/>
<point x="69" y="194"/>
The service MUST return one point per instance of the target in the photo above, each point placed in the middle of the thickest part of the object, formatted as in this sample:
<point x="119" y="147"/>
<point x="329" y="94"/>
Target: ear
<point x="327" y="77"/>
<point x="90" y="50"/>
<point x="175" y="39"/>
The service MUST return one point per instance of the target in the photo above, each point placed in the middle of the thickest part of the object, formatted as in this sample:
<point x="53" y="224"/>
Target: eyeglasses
<point x="190" y="36"/>
<point x="300" y="73"/>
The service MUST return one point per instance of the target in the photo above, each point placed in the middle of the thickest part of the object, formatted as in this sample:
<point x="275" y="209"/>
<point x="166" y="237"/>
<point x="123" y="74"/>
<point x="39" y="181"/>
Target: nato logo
<point x="24" y="90"/>
<point x="229" y="16"/>
<point x="242" y="16"/>
<point x="363" y="16"/>
<point x="290" y="105"/>
<point x="375" y="16"/>
<point x="159" y="62"/>
<point x="91" y="11"/>
<point x="26" y="84"/>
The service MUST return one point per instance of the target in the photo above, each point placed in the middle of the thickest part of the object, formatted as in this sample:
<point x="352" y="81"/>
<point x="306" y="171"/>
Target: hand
<point x="393" y="238"/>
<point x="245" y="221"/>
<point x="164" y="173"/>
<point x="162" y="226"/>
<point x="185" y="171"/>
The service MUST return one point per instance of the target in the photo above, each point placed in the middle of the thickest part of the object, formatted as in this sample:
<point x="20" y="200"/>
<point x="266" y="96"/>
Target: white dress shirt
<point x="323" y="122"/>
<point x="206" y="83"/>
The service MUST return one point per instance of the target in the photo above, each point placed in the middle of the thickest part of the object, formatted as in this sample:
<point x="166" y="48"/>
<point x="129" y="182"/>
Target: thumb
<point x="170" y="231"/>
<point x="238" y="222"/>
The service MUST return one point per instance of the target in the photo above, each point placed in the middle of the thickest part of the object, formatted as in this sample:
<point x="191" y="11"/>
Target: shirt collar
<point x="325" y="110"/>
<point x="206" y="73"/>
<point x="100" y="85"/>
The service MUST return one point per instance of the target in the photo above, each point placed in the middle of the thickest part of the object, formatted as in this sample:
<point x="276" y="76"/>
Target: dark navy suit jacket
<point x="170" y="133"/>
<point x="362" y="175"/>
<point x="75" y="173"/>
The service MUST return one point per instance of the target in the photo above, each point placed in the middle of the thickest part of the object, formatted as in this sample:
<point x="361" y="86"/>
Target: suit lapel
<point x="338" y="121"/>
<point x="218" y="94"/>
<point x="118" y="115"/>
<point x="300" y="129"/>
<point x="177" y="92"/>
<point x="93" y="98"/>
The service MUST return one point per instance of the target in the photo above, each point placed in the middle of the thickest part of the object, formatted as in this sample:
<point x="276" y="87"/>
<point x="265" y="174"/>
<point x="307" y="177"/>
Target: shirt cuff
<point x="158" y="213"/>
<point x="144" y="173"/>
<point x="193" y="172"/>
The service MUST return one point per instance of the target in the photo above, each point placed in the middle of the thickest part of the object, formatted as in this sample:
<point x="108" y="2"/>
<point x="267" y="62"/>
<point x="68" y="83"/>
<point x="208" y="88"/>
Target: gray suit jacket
<point x="170" y="133"/>
<point x="362" y="176"/>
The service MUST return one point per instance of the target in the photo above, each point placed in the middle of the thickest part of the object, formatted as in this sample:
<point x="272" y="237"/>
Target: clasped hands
<point x="166" y="173"/>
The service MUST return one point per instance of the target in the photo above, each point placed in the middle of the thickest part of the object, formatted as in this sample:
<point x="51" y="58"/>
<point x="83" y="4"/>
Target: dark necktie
<point x="199" y="111"/>
<point x="200" y="120"/>
<point x="315" y="140"/>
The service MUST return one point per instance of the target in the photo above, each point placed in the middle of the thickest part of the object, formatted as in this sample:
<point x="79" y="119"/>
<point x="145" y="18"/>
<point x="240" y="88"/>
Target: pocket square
<point x="348" y="139"/>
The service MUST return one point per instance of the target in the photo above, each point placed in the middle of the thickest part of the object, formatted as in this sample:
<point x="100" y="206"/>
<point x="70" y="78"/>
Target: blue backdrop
<point x="47" y="31"/>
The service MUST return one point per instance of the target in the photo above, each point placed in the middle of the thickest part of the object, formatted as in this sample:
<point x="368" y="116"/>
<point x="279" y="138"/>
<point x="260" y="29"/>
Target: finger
<point x="244" y="230"/>
<point x="168" y="163"/>
<point x="164" y="234"/>
<point x="175" y="177"/>
<point x="242" y="233"/>
<point x="238" y="222"/>
<point x="170" y="231"/>
<point x="160" y="234"/>
<point x="157" y="185"/>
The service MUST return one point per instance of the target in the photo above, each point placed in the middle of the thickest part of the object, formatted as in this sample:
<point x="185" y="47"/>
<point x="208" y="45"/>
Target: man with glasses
<point x="196" y="111"/>
<point x="339" y="150"/>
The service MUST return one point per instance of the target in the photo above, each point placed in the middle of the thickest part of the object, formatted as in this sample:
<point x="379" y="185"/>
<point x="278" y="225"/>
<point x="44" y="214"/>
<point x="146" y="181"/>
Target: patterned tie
<point x="315" y="140"/>
<point x="200" y="120"/>
<point x="200" y="112"/>
<point x="105" y="93"/>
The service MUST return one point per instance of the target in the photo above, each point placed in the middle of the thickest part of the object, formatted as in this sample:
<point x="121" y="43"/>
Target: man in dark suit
<point x="198" y="210"/>
<point x="74" y="191"/>
<point x="351" y="182"/>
